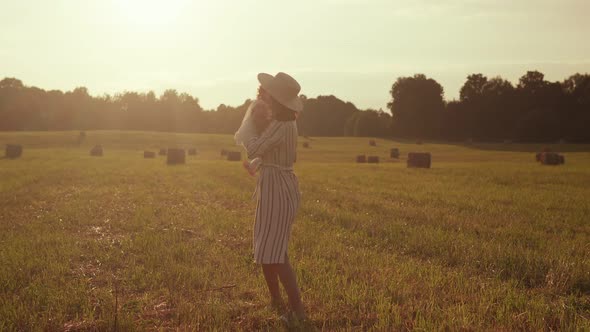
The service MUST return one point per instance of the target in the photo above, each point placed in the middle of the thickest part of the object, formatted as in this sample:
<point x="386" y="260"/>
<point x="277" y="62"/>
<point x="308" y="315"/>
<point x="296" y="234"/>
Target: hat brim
<point x="265" y="79"/>
<point x="294" y="104"/>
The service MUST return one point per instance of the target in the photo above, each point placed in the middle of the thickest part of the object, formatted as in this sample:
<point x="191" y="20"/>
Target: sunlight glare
<point x="151" y="13"/>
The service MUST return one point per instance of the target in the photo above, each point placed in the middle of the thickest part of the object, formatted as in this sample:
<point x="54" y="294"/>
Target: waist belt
<point x="259" y="180"/>
<point x="281" y="168"/>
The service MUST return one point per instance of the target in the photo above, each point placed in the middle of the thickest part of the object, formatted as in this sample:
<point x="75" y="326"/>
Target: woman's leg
<point x="289" y="281"/>
<point x="272" y="281"/>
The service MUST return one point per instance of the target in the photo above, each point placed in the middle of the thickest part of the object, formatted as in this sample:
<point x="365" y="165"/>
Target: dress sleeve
<point x="270" y="138"/>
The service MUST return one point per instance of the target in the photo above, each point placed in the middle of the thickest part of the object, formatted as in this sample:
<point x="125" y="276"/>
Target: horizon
<point x="115" y="46"/>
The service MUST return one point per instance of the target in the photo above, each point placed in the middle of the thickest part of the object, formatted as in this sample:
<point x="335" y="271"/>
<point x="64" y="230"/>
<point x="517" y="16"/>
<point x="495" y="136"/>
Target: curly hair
<point x="261" y="93"/>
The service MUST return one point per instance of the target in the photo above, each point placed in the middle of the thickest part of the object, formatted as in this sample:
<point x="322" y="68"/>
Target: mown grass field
<point x="485" y="240"/>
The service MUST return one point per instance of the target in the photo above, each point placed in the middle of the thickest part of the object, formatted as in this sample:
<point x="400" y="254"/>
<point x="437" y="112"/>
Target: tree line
<point x="493" y="109"/>
<point x="488" y="109"/>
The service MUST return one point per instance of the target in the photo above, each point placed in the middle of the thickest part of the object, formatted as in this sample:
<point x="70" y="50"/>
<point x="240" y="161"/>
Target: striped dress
<point x="278" y="190"/>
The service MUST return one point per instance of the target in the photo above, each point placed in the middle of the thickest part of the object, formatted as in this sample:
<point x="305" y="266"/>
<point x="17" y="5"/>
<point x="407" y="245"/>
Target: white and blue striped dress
<point x="278" y="191"/>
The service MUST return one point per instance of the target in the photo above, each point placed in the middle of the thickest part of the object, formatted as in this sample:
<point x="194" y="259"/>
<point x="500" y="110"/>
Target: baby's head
<point x="261" y="110"/>
<point x="262" y="115"/>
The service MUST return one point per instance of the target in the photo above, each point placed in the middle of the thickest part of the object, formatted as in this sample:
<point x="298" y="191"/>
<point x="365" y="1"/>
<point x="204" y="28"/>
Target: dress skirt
<point x="276" y="209"/>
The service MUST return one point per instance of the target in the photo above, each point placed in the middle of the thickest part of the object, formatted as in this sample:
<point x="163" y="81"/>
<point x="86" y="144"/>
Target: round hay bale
<point x="561" y="159"/>
<point x="550" y="158"/>
<point x="176" y="157"/>
<point x="192" y="152"/>
<point x="224" y="152"/>
<point x="13" y="151"/>
<point x="372" y="142"/>
<point x="149" y="154"/>
<point x="394" y="153"/>
<point x="538" y="156"/>
<point x="234" y="156"/>
<point x="306" y="145"/>
<point x="361" y="159"/>
<point x="373" y="159"/>
<point x="163" y="152"/>
<point x="419" y="160"/>
<point x="96" y="151"/>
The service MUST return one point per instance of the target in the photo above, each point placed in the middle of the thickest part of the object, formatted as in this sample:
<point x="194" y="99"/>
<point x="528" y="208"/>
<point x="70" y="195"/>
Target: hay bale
<point x="550" y="158"/>
<point x="192" y="152"/>
<point x="419" y="142"/>
<point x="361" y="159"/>
<point x="394" y="153"/>
<point x="163" y="152"/>
<point x="419" y="160"/>
<point x="13" y="151"/>
<point x="96" y="151"/>
<point x="373" y="159"/>
<point x="372" y="142"/>
<point x="234" y="156"/>
<point x="538" y="156"/>
<point x="149" y="154"/>
<point x="306" y="145"/>
<point x="224" y="152"/>
<point x="175" y="157"/>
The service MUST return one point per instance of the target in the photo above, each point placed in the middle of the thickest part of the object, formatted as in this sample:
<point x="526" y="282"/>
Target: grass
<point x="485" y="240"/>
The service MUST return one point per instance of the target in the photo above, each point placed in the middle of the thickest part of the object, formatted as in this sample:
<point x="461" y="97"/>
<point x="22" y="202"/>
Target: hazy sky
<point x="354" y="49"/>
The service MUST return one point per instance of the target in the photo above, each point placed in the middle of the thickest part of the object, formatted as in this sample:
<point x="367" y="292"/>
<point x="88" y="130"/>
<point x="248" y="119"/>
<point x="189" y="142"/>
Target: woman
<point x="278" y="189"/>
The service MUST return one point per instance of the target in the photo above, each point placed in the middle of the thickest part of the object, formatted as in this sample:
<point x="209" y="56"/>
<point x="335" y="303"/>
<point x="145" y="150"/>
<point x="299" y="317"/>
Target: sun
<point x="150" y="13"/>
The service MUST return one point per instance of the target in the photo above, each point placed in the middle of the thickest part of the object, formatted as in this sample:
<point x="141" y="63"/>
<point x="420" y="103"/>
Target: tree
<point x="11" y="83"/>
<point x="532" y="81"/>
<point x="373" y="123"/>
<point x="577" y="87"/>
<point x="473" y="87"/>
<point x="416" y="106"/>
<point x="325" y="116"/>
<point x="496" y="89"/>
<point x="495" y="118"/>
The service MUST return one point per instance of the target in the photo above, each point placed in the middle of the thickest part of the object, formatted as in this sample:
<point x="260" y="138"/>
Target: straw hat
<point x="283" y="88"/>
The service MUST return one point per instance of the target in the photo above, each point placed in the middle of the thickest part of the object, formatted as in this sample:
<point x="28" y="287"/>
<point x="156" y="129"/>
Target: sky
<point x="353" y="49"/>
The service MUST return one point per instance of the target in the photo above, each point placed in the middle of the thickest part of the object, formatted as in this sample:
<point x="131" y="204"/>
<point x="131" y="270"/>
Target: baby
<point x="261" y="117"/>
<point x="257" y="118"/>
